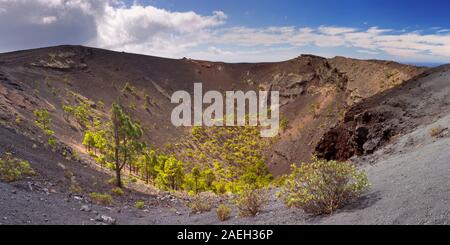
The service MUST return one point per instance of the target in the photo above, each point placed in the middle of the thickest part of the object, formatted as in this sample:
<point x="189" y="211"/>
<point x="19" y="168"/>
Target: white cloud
<point x="114" y="25"/>
<point x="373" y="41"/>
<point x="49" y="19"/>
<point x="332" y="31"/>
<point x="218" y="51"/>
<point x="363" y="51"/>
<point x="138" y="27"/>
<point x="36" y="23"/>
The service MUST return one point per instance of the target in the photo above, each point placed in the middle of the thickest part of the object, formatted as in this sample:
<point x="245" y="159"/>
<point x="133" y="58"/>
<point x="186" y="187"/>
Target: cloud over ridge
<point x="150" y="30"/>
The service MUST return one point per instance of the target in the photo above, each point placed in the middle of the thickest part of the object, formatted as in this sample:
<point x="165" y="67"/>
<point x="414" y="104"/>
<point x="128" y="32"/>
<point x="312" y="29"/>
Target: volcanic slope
<point x="315" y="92"/>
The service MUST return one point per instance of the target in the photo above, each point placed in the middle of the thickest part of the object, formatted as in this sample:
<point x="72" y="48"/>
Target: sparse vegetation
<point x="201" y="202"/>
<point x="223" y="212"/>
<point x="68" y="111"/>
<point x="313" y="109"/>
<point x="43" y="121"/>
<point x="284" y="123"/>
<point x="436" y="131"/>
<point x="18" y="120"/>
<point x="251" y="201"/>
<point x="117" y="191"/>
<point x="13" y="169"/>
<point x="75" y="188"/>
<point x="125" y="134"/>
<point x="52" y="142"/>
<point x="130" y="89"/>
<point x="139" y="204"/>
<point x="101" y="198"/>
<point x="321" y="187"/>
<point x="227" y="158"/>
<point x="80" y="109"/>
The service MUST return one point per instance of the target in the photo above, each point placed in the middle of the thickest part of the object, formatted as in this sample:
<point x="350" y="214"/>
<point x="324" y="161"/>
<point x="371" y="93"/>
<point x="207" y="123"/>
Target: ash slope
<point x="408" y="174"/>
<point x="410" y="185"/>
<point x="400" y="193"/>
<point x="50" y="77"/>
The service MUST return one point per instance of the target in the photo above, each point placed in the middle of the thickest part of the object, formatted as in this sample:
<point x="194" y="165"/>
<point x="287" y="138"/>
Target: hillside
<point x="380" y="119"/>
<point x="315" y="92"/>
<point x="339" y="108"/>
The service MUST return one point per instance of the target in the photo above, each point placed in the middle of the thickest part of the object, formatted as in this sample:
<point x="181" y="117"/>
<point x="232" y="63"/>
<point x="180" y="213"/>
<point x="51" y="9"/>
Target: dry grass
<point x="251" y="201"/>
<point x="101" y="198"/>
<point x="223" y="212"/>
<point x="436" y="131"/>
<point x="201" y="202"/>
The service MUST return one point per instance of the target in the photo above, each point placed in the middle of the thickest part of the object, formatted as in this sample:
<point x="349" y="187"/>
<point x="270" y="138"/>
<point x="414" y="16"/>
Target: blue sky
<point x="397" y="14"/>
<point x="236" y="31"/>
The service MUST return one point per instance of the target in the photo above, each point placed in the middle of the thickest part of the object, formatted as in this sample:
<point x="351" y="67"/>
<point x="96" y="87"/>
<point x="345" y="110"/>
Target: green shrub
<point x="128" y="88"/>
<point x="52" y="142"/>
<point x="43" y="119"/>
<point x="223" y="212"/>
<point x="101" y="198"/>
<point x="279" y="181"/>
<point x="117" y="191"/>
<point x="251" y="201"/>
<point x="139" y="204"/>
<point x="18" y="120"/>
<point x="13" y="169"/>
<point x="201" y="202"/>
<point x="111" y="181"/>
<point x="321" y="187"/>
<point x="284" y="123"/>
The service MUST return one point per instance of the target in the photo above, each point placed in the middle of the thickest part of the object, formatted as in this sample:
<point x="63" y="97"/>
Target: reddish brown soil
<point x="42" y="78"/>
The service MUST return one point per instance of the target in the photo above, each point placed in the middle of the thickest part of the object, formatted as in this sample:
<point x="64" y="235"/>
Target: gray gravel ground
<point x="410" y="185"/>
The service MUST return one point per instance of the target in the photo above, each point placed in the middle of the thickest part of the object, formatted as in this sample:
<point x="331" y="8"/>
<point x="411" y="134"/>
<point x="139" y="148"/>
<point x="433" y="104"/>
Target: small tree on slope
<point x="125" y="139"/>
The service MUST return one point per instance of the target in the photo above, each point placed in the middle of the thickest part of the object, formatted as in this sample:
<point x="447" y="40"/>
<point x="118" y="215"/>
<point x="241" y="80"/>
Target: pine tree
<point x="196" y="175"/>
<point x="125" y="139"/>
<point x="208" y="178"/>
<point x="171" y="175"/>
<point x="89" y="140"/>
<point x="148" y="162"/>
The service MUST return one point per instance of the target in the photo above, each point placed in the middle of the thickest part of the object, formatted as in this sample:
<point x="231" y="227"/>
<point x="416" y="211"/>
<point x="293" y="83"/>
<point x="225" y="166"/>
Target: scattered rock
<point x="85" y="208"/>
<point x="62" y="166"/>
<point x="78" y="198"/>
<point x="371" y="145"/>
<point x="444" y="133"/>
<point x="105" y="220"/>
<point x="30" y="186"/>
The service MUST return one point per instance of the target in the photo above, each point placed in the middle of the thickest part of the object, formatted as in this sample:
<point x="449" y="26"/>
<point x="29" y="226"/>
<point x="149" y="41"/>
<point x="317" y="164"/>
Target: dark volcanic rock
<point x="373" y="122"/>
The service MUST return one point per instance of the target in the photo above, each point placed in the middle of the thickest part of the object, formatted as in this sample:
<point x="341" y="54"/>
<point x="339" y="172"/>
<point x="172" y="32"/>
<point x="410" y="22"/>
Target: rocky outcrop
<point x="372" y="123"/>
